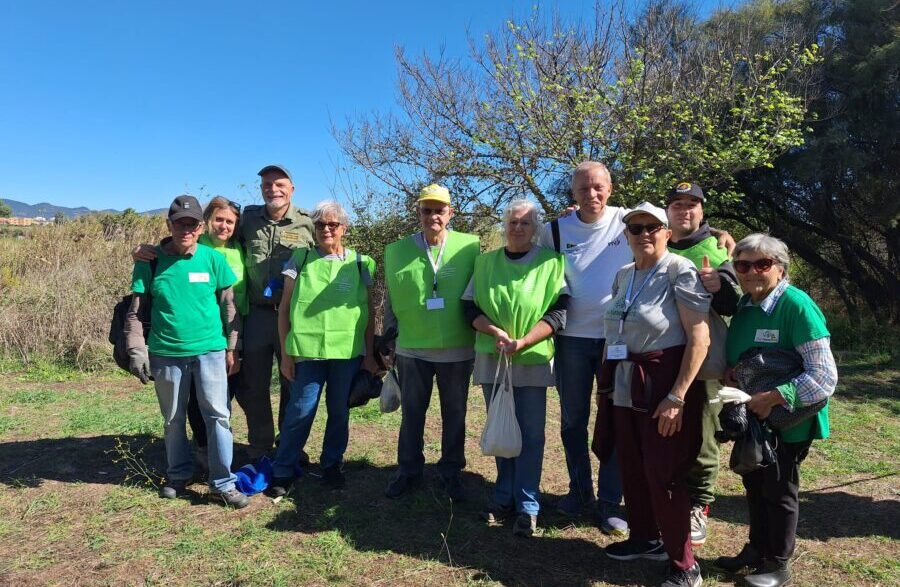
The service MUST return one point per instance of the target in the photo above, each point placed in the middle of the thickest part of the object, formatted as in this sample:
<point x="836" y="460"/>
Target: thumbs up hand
<point x="709" y="277"/>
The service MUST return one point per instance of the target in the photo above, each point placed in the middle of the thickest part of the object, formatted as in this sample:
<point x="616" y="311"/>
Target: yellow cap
<point x="435" y="193"/>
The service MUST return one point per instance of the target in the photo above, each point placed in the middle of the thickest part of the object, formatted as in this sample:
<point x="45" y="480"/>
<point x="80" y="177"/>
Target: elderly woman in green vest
<point x="515" y="301"/>
<point x="325" y="325"/>
<point x="775" y="314"/>
<point x="222" y="217"/>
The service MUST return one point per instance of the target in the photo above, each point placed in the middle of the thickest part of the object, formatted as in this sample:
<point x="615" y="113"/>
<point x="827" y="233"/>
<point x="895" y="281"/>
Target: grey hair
<point x="588" y="166"/>
<point x="326" y="206"/>
<point x="534" y="213"/>
<point x="765" y="244"/>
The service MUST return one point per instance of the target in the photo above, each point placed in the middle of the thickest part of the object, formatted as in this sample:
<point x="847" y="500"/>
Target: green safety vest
<point x="409" y="277"/>
<point x="708" y="246"/>
<point x="235" y="257"/>
<point x="329" y="307"/>
<point x="514" y="296"/>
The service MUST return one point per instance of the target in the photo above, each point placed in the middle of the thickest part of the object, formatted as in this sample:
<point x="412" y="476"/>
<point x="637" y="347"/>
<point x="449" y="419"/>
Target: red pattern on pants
<point x="654" y="468"/>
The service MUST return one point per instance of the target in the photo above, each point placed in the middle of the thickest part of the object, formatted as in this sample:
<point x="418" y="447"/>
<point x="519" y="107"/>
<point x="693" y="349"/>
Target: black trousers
<point x="774" y="504"/>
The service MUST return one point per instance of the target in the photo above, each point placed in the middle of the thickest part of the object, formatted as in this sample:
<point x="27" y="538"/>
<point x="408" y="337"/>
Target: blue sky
<point x="128" y="104"/>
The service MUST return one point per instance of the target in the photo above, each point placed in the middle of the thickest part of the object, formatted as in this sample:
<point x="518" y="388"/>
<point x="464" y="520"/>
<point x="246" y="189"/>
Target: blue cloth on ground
<point x="254" y="478"/>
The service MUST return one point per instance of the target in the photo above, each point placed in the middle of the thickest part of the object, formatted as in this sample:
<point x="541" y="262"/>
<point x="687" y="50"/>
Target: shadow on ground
<point x="828" y="514"/>
<point x="97" y="459"/>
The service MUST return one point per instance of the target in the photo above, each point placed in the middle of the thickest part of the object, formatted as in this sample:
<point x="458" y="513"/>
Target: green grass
<point x="56" y="523"/>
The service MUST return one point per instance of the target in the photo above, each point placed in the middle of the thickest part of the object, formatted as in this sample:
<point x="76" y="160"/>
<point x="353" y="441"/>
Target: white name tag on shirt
<point x="434" y="304"/>
<point x="198" y="277"/>
<point x="765" y="335"/>
<point x="617" y="352"/>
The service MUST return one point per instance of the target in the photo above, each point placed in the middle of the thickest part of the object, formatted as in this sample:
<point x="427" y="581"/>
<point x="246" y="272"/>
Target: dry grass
<point x="58" y="287"/>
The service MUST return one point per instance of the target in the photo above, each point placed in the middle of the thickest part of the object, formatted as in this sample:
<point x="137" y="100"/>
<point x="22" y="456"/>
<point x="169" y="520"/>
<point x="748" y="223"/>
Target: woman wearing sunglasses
<point x="775" y="314"/>
<point x="657" y="335"/>
<point x="325" y="323"/>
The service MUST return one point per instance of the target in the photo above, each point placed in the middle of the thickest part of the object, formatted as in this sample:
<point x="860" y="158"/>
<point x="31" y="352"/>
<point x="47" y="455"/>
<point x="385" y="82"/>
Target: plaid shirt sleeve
<point x="819" y="377"/>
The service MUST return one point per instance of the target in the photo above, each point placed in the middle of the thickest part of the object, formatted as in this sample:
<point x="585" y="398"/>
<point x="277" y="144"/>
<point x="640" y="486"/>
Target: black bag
<point x="116" y="335"/>
<point x="762" y="369"/>
<point x="754" y="450"/>
<point x="733" y="421"/>
<point x="365" y="386"/>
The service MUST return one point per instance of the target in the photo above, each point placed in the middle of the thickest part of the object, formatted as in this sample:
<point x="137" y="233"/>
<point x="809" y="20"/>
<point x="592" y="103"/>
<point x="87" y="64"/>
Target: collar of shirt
<point x="771" y="300"/>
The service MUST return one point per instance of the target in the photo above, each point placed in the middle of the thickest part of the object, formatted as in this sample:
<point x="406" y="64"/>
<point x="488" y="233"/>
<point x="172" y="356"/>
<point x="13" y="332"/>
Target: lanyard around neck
<point x="435" y="263"/>
<point x="629" y="298"/>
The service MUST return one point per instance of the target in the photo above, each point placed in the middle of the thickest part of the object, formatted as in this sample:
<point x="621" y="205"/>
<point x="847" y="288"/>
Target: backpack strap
<point x="554" y="231"/>
<point x="359" y="263"/>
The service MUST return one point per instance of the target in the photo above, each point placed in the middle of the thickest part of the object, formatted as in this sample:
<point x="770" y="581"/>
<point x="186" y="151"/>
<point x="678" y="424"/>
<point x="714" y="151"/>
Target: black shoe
<point x="683" y="578"/>
<point x="333" y="478"/>
<point x="173" y="488"/>
<point x="232" y="497"/>
<point x="747" y="557"/>
<point x="632" y="549"/>
<point x="526" y="525"/>
<point x="496" y="514"/>
<point x="402" y="484"/>
<point x="771" y="574"/>
<point x="280" y="486"/>
<point x="454" y="489"/>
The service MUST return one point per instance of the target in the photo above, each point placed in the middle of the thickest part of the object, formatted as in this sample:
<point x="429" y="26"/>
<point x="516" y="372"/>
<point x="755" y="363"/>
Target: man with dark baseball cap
<point x="691" y="238"/>
<point x="185" y="207"/>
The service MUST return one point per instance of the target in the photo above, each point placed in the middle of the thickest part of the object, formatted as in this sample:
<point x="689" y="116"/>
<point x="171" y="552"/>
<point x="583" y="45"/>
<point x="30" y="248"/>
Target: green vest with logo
<point x="514" y="296"/>
<point x="409" y="277"/>
<point x="235" y="257"/>
<point x="329" y="307"/>
<point x="709" y="247"/>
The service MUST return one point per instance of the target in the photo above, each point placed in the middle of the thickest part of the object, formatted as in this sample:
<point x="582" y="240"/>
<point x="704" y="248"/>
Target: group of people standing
<point x="623" y="296"/>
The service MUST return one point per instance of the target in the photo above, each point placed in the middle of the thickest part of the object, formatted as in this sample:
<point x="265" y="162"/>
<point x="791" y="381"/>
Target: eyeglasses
<point x="186" y="226"/>
<point x="332" y="226"/>
<point x="433" y="211"/>
<point x="637" y="229"/>
<point x="760" y="265"/>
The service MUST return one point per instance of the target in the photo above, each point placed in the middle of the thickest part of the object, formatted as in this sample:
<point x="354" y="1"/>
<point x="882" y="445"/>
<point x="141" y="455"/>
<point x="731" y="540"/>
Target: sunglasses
<point x="637" y="229"/>
<point x="760" y="265"/>
<point x="186" y="226"/>
<point x="332" y="226"/>
<point x="433" y="211"/>
<point x="236" y="206"/>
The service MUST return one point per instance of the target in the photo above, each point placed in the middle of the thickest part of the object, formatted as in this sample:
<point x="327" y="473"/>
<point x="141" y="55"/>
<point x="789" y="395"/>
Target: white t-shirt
<point x="594" y="253"/>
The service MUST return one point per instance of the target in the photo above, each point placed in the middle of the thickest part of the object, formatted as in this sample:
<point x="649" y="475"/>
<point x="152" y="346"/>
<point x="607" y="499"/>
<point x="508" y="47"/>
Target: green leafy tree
<point x="834" y="199"/>
<point x="5" y="210"/>
<point x="660" y="98"/>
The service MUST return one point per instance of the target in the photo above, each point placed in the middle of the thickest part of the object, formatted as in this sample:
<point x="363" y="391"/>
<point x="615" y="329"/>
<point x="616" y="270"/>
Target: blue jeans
<point x="519" y="478"/>
<point x="416" y="382"/>
<point x="172" y="377"/>
<point x="310" y="377"/>
<point x="577" y="361"/>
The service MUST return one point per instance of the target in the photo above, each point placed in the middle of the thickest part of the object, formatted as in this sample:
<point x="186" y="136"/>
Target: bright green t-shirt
<point x="234" y="254"/>
<point x="795" y="320"/>
<point x="185" y="319"/>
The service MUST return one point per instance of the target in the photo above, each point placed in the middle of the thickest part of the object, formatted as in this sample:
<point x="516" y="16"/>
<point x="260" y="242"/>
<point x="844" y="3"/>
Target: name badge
<point x="617" y="352"/>
<point x="292" y="237"/>
<point x="765" y="335"/>
<point x="434" y="304"/>
<point x="198" y="277"/>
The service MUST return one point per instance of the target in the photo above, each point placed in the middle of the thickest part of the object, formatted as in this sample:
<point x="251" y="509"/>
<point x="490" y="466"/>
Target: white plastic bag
<point x="390" y="392"/>
<point x="502" y="436"/>
<point x="732" y="395"/>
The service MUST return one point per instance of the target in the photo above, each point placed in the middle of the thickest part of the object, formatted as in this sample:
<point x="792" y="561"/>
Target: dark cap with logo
<point x="686" y="188"/>
<point x="185" y="207"/>
<point x="279" y="168"/>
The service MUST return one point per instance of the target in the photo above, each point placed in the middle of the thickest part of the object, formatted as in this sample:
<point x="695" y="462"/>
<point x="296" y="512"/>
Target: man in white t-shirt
<point x="595" y="249"/>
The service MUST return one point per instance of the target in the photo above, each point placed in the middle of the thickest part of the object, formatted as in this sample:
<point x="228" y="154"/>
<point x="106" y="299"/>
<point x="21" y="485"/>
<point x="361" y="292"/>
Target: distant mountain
<point x="48" y="211"/>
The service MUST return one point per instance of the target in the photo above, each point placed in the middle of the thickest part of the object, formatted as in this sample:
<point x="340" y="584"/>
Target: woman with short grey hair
<point x="326" y="207"/>
<point x="775" y="316"/>
<point x="531" y="212"/>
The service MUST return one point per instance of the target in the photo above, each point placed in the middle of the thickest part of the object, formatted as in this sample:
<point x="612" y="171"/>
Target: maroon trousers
<point x="654" y="468"/>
